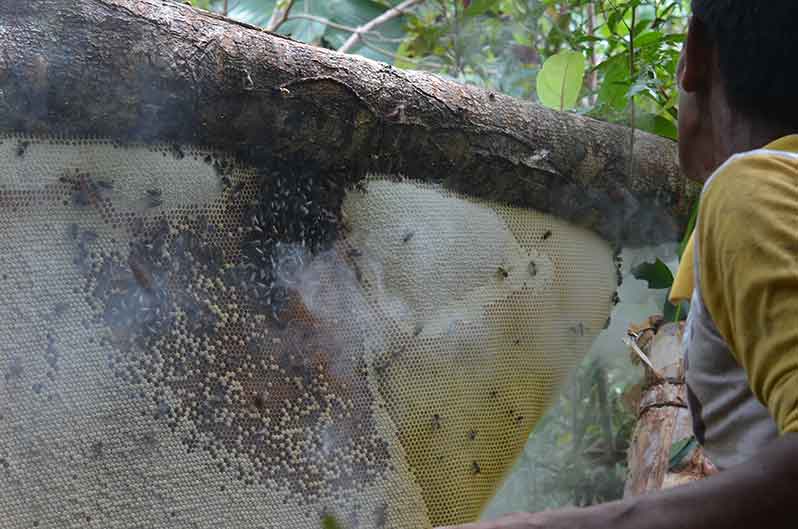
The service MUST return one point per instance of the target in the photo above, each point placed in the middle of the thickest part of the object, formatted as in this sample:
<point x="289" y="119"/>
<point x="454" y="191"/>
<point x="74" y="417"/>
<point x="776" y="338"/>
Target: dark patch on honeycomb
<point x="296" y="214"/>
<point x="203" y="316"/>
<point x="86" y="192"/>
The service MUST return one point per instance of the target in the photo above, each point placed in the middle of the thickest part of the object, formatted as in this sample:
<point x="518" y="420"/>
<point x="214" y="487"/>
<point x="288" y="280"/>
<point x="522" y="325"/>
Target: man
<point x="738" y="108"/>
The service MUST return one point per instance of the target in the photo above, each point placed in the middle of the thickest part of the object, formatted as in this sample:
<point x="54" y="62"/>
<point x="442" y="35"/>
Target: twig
<point x="630" y="340"/>
<point x="225" y="10"/>
<point x="279" y="15"/>
<point x="390" y="14"/>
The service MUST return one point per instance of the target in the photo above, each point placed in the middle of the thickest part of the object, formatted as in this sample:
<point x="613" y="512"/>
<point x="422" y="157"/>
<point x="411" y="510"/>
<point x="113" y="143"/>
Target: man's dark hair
<point x="757" y="50"/>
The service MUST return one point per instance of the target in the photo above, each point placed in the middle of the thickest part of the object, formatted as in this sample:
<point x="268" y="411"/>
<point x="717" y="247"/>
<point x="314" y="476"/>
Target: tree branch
<point x="390" y="14"/>
<point x="259" y="95"/>
<point x="279" y="15"/>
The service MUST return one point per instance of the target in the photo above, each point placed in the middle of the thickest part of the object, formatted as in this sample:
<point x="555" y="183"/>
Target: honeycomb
<point x="189" y="341"/>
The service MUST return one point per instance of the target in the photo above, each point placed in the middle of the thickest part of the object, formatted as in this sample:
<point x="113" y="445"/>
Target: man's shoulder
<point x="757" y="182"/>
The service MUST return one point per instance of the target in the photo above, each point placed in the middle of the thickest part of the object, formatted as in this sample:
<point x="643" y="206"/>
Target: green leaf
<point x="255" y="12"/>
<point x="350" y="13"/>
<point x="560" y="80"/>
<point x="681" y="450"/>
<point x="309" y="31"/>
<point x="649" y="38"/>
<point x="657" y="274"/>
<point x="479" y="7"/>
<point x="616" y="83"/>
<point x="659" y="125"/>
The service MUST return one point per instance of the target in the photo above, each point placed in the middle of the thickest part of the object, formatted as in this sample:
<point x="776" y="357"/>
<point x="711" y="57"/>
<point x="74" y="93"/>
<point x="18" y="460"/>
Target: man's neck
<point x="735" y="133"/>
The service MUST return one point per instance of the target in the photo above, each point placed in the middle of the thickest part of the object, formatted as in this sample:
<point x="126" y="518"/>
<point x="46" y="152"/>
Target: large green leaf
<point x="305" y="30"/>
<point x="255" y="12"/>
<point x="560" y="80"/>
<point x="616" y="84"/>
<point x="655" y="124"/>
<point x="349" y="13"/>
<point x="656" y="274"/>
<point x="479" y="7"/>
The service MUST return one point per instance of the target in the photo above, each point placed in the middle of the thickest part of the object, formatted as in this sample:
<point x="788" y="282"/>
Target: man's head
<point x="738" y="80"/>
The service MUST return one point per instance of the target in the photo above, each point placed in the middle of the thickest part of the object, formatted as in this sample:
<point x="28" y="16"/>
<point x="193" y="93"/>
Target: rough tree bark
<point x="157" y="71"/>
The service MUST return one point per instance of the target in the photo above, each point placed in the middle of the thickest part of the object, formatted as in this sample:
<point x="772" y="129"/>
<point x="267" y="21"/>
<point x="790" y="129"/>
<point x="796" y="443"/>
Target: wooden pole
<point x="663" y="452"/>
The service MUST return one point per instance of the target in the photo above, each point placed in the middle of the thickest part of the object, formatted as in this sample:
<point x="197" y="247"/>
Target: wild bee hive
<point x="186" y="341"/>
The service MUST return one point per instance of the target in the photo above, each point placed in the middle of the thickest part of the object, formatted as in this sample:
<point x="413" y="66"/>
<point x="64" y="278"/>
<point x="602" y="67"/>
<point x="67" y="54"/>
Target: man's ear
<point x="697" y="57"/>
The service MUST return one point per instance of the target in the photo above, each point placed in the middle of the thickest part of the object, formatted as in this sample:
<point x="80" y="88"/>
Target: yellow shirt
<point x="748" y="235"/>
<point x="684" y="282"/>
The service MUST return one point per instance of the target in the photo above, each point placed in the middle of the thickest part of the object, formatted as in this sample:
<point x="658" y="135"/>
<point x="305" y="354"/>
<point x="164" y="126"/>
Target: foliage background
<point x="614" y="60"/>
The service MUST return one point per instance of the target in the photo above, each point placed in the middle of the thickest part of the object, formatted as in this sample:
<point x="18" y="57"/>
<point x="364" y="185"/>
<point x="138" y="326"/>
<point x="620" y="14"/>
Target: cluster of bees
<point x="202" y="317"/>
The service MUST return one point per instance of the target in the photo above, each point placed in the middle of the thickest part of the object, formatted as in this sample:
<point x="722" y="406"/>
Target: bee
<point x="177" y="152"/>
<point x="82" y="195"/>
<point x="140" y="271"/>
<point x="436" y="422"/>
<point x="472" y="435"/>
<point x="22" y="147"/>
<point x="153" y="198"/>
<point x="409" y="235"/>
<point x="503" y="272"/>
<point x="546" y="235"/>
<point x="475" y="468"/>
<point x="259" y="401"/>
<point x="578" y="330"/>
